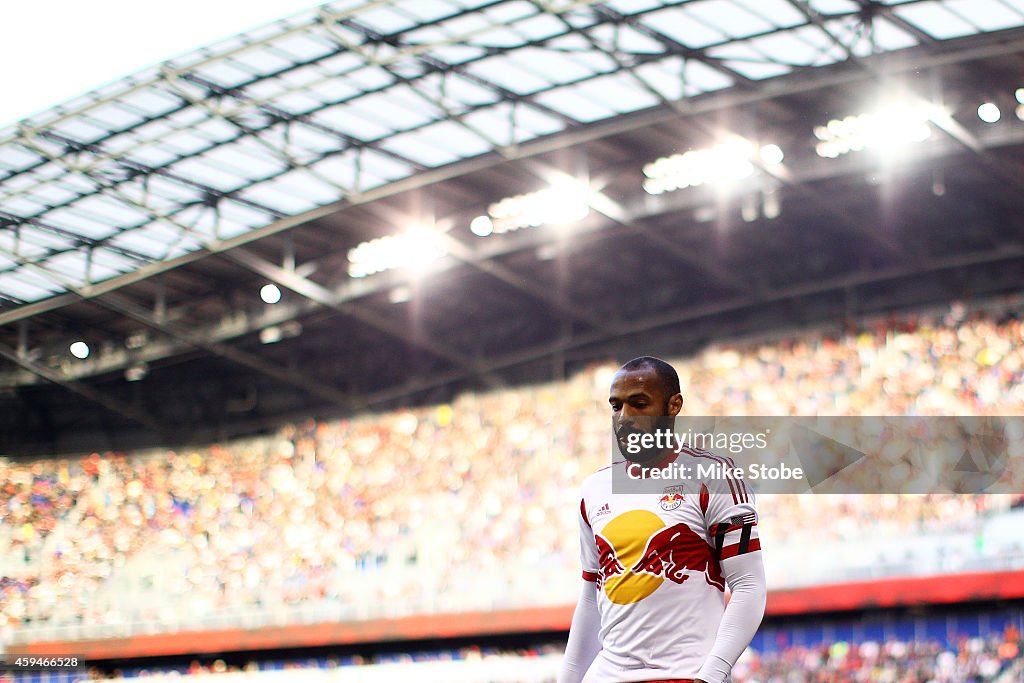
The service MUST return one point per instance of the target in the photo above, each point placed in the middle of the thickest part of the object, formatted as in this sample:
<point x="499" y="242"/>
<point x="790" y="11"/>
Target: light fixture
<point x="270" y="293"/>
<point x="136" y="373"/>
<point x="481" y="226"/>
<point x="722" y="164"/>
<point x="275" y="333"/>
<point x="772" y="155"/>
<point x="414" y="249"/>
<point x="1020" y="112"/>
<point x="564" y="201"/>
<point x="989" y="112"/>
<point x="890" y="126"/>
<point x="79" y="349"/>
<point x="400" y="295"/>
<point x="1019" y="94"/>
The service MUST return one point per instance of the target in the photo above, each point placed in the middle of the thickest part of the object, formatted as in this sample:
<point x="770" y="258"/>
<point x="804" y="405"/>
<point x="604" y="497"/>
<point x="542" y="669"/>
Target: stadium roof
<point x="282" y="149"/>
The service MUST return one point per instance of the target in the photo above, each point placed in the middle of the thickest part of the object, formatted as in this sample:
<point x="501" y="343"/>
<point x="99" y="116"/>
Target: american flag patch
<point x="740" y="520"/>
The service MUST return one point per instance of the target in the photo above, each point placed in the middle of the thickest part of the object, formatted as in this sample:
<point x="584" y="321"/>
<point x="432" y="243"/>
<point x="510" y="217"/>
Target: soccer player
<point x="655" y="565"/>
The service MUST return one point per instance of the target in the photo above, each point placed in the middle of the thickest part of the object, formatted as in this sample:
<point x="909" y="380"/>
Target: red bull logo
<point x="672" y="499"/>
<point x="653" y="553"/>
<point x="607" y="559"/>
<point x="674" y="552"/>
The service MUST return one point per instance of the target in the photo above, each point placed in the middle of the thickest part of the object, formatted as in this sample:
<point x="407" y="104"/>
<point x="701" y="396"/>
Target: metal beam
<point x="484" y="251"/>
<point x="328" y="299"/>
<point x="127" y="410"/>
<point x="983" y="47"/>
<point x="655" y="322"/>
<point x="122" y="305"/>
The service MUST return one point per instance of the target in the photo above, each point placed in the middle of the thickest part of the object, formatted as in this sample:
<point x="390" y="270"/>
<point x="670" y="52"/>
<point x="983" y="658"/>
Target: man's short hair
<point x="665" y="372"/>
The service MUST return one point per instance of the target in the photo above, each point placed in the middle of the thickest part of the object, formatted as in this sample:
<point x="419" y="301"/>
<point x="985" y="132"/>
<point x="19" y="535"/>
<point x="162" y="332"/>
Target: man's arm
<point x="584" y="632"/>
<point x="583" y="644"/>
<point x="743" y="614"/>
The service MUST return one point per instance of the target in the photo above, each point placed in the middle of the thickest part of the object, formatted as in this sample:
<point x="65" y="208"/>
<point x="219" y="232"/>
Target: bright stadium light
<point x="722" y="164"/>
<point x="564" y="201"/>
<point x="79" y="349"/>
<point x="1019" y="94"/>
<point x="413" y="249"/>
<point x="270" y="293"/>
<point x="989" y="112"/>
<point x="481" y="226"/>
<point x="891" y="126"/>
<point x="772" y="155"/>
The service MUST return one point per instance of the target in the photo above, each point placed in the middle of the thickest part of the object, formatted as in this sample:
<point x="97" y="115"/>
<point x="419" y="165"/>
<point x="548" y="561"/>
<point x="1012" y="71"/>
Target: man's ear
<point x="675" y="404"/>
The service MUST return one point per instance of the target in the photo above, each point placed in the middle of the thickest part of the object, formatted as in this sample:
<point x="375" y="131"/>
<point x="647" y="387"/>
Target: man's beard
<point x="635" y="428"/>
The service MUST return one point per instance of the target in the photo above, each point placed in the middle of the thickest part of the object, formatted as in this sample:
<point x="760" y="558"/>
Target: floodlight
<point x="989" y="112"/>
<point x="564" y="201"/>
<point x="481" y="226"/>
<point x="722" y="164"/>
<point x="79" y="349"/>
<point x="413" y="249"/>
<point x="270" y="293"/>
<point x="772" y="155"/>
<point x="891" y="126"/>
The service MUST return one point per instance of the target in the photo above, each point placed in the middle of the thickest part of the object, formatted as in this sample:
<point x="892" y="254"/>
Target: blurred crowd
<point x="992" y="659"/>
<point x="972" y="660"/>
<point x="444" y="506"/>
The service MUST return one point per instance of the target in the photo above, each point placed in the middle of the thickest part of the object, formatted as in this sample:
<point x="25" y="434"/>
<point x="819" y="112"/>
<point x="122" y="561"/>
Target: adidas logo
<point x="603" y="510"/>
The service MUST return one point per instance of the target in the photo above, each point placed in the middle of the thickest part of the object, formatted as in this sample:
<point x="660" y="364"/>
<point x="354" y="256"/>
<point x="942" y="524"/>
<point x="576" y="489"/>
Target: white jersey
<point x="656" y="560"/>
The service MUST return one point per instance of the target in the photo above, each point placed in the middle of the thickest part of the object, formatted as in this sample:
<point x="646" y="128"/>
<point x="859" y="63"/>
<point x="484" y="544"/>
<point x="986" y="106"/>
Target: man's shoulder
<point x="603" y="475"/>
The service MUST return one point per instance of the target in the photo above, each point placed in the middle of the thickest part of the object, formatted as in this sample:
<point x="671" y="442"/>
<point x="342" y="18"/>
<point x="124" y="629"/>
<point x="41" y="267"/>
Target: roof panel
<point x="834" y="6"/>
<point x="219" y="177"/>
<point x="26" y="285"/>
<point x="889" y="36"/>
<point x="69" y="266"/>
<point x="619" y="92"/>
<point x="540" y="27"/>
<point x="633" y="6"/>
<point x="571" y="103"/>
<point x="430" y="10"/>
<point x="343" y="119"/>
<point x="286" y="203"/>
<point x="261" y="62"/>
<point x="20" y="248"/>
<point x="682" y="28"/>
<point x="114" y="117"/>
<point x="304" y="47"/>
<point x="153" y="155"/>
<point x="22" y="206"/>
<point x="421" y="147"/>
<point x="367" y="85"/>
<point x="987" y="15"/>
<point x="808" y="47"/>
<point x="780" y="13"/>
<point x="399" y="111"/>
<point x="45" y="238"/>
<point x="386" y="20"/>
<point x="625" y="39"/>
<point x="75" y="222"/>
<point x="727" y="17"/>
<point x="665" y="76"/>
<point x="504" y="72"/>
<point x="225" y="73"/>
<point x="705" y="78"/>
<point x="16" y="157"/>
<point x="935" y="20"/>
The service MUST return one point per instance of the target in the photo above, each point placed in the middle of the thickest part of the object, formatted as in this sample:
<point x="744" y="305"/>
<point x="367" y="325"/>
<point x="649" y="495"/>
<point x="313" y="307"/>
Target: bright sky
<point x="53" y="50"/>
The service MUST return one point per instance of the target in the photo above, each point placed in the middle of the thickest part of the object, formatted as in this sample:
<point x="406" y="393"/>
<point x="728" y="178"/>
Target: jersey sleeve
<point x="730" y="514"/>
<point x="588" y="549"/>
